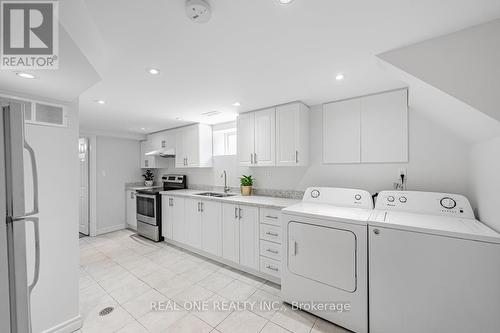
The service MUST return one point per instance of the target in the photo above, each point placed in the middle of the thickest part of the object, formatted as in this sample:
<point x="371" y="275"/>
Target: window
<point x="224" y="136"/>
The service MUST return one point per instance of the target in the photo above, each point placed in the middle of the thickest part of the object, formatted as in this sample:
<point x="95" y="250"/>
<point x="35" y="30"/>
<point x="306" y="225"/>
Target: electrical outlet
<point x="268" y="174"/>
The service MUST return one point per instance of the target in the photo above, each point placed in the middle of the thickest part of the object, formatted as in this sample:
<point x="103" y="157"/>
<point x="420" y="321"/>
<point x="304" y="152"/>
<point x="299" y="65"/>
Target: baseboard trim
<point x="110" y="229"/>
<point x="68" y="326"/>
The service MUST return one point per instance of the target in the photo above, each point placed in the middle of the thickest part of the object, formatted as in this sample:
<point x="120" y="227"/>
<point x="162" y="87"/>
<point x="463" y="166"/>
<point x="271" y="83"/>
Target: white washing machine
<point x="325" y="255"/>
<point x="433" y="267"/>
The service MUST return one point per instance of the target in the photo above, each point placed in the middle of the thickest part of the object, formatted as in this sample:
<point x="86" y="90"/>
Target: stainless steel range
<point x="149" y="206"/>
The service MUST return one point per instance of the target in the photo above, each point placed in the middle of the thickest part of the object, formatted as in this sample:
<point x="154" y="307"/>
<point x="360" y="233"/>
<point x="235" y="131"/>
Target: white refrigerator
<point x="15" y="284"/>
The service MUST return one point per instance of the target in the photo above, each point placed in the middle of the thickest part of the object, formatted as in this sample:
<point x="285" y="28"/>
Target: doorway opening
<point x="84" y="219"/>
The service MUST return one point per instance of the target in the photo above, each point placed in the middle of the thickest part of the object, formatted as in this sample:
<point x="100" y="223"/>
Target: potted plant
<point x="149" y="178"/>
<point x="246" y="185"/>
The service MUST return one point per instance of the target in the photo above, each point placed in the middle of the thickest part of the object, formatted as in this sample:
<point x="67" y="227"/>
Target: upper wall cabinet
<point x="274" y="137"/>
<point x="156" y="141"/>
<point x="292" y="135"/>
<point x="193" y="146"/>
<point x="370" y="129"/>
<point x="256" y="141"/>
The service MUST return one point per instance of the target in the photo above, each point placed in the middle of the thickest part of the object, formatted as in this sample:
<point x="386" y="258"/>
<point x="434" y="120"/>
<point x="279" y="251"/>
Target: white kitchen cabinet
<point x="292" y="135"/>
<point x="152" y="162"/>
<point x="172" y="212"/>
<point x="146" y="161"/>
<point x="211" y="227"/>
<point x="230" y="233"/>
<point x="175" y="216"/>
<point x="249" y="236"/>
<point x="193" y="146"/>
<point x="369" y="129"/>
<point x="192" y="218"/>
<point x="384" y="127"/>
<point x="256" y="141"/>
<point x="131" y="209"/>
<point x="246" y="138"/>
<point x="342" y="132"/>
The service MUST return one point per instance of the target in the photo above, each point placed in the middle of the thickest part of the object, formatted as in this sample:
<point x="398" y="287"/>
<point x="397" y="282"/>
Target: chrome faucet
<point x="226" y="188"/>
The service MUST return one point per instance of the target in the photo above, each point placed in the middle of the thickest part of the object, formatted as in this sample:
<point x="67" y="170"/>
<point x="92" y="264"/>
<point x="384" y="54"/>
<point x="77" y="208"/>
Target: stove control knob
<point x="403" y="199"/>
<point x="448" y="203"/>
<point x="315" y="194"/>
<point x="390" y="198"/>
<point x="357" y="197"/>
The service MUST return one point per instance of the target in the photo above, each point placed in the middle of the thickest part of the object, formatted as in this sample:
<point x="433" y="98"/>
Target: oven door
<point x="146" y="208"/>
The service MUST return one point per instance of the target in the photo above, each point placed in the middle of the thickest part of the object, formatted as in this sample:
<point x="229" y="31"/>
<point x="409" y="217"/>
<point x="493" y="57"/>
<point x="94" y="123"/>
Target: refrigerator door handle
<point x="36" y="229"/>
<point x="35" y="179"/>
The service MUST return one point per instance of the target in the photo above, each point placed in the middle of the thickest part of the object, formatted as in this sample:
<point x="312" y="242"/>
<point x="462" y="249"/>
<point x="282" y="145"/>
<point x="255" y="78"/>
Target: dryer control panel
<point x="431" y="203"/>
<point x="344" y="197"/>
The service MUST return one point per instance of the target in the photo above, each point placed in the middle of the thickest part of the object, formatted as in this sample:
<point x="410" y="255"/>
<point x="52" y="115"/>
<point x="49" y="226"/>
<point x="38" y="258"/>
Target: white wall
<point x="485" y="181"/>
<point x="438" y="162"/>
<point x="118" y="162"/>
<point x="55" y="298"/>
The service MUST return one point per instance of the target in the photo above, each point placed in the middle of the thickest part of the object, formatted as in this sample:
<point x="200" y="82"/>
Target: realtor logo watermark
<point x="29" y="35"/>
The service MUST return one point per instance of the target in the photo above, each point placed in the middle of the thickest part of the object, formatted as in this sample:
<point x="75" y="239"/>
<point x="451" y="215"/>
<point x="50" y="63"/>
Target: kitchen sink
<point x="215" y="194"/>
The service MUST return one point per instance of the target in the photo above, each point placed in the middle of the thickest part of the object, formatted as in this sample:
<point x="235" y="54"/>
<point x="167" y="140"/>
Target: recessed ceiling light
<point x="25" y="75"/>
<point x="236" y="104"/>
<point x="143" y="128"/>
<point x="339" y="77"/>
<point x="100" y="101"/>
<point x="285" y="2"/>
<point x="153" y="71"/>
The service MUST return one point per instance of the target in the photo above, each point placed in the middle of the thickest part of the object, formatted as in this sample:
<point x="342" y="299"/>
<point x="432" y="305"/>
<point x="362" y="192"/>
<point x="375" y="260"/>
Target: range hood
<point x="164" y="152"/>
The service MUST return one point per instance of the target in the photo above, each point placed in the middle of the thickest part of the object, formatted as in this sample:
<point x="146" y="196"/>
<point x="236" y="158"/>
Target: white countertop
<point x="253" y="200"/>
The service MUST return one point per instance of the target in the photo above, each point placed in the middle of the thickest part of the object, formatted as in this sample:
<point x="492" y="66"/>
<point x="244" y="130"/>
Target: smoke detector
<point x="198" y="10"/>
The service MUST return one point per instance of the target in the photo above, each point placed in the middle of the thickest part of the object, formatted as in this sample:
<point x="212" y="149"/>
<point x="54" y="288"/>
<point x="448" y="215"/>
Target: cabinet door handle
<point x="201" y="206"/>
<point x="271" y="217"/>
<point x="251" y="158"/>
<point x="272" y="268"/>
<point x="131" y="195"/>
<point x="296" y="156"/>
<point x="239" y="213"/>
<point x="272" y="251"/>
<point x="272" y="234"/>
<point x="293" y="248"/>
<point x="198" y="206"/>
<point x="235" y="212"/>
<point x="163" y="143"/>
<point x="255" y="158"/>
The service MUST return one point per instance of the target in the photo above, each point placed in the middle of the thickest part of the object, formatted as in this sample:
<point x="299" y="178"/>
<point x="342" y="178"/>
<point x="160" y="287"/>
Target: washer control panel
<point x="425" y="203"/>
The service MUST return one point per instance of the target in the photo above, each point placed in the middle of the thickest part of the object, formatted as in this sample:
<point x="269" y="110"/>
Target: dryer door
<point x="326" y="255"/>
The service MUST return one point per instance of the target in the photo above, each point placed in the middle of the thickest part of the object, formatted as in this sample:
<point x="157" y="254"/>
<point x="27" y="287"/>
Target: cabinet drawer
<point x="270" y="250"/>
<point x="270" y="216"/>
<point x="270" y="266"/>
<point x="270" y="233"/>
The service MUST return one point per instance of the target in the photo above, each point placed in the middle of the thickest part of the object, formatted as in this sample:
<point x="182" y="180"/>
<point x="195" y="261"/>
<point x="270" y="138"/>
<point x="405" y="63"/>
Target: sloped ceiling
<point x="74" y="76"/>
<point x="455" y="79"/>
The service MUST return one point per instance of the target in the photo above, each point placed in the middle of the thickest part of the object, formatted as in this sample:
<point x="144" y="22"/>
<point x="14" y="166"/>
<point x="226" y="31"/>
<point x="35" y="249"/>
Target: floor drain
<point x="106" y="311"/>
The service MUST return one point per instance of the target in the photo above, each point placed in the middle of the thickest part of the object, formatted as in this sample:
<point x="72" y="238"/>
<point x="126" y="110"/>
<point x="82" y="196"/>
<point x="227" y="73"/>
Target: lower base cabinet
<point x="224" y="230"/>
<point x="230" y="233"/>
<point x="211" y="227"/>
<point x="249" y="236"/>
<point x="131" y="209"/>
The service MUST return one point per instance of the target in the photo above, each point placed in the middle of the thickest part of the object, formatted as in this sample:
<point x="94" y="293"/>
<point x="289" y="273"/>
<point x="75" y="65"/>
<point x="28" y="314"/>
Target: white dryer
<point x="433" y="267"/>
<point x="325" y="256"/>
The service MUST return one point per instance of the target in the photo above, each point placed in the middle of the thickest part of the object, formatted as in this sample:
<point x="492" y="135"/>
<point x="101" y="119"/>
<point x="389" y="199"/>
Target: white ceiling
<point x="257" y="52"/>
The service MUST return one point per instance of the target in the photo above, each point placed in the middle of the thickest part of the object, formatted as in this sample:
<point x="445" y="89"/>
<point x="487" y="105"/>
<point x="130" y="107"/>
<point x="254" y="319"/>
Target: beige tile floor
<point x="129" y="273"/>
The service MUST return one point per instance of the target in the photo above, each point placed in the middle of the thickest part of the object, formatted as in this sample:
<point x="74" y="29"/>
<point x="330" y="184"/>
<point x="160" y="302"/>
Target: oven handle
<point x="146" y="196"/>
